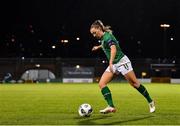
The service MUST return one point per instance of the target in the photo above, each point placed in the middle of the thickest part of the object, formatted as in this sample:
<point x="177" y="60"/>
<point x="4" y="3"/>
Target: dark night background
<point x="29" y="28"/>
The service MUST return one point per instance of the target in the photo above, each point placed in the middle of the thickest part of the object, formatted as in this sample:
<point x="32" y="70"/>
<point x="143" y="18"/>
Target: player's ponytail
<point x="99" y="24"/>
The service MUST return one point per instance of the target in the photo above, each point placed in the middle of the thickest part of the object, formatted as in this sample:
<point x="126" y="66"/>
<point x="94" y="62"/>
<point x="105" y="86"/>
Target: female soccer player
<point x="118" y="63"/>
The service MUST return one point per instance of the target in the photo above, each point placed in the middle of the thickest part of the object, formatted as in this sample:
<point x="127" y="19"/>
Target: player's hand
<point x="95" y="48"/>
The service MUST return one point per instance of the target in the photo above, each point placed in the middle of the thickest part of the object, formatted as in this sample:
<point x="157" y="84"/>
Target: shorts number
<point x="126" y="66"/>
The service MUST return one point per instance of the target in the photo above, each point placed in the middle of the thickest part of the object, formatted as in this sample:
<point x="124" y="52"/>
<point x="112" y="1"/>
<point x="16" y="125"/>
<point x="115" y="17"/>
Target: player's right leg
<point x="106" y="77"/>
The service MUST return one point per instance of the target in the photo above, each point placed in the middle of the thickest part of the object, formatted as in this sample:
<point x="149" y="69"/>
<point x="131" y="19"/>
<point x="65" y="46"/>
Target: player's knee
<point x="101" y="85"/>
<point x="136" y="85"/>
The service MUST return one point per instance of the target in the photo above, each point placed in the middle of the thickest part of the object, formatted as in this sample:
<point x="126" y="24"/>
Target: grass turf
<point x="57" y="104"/>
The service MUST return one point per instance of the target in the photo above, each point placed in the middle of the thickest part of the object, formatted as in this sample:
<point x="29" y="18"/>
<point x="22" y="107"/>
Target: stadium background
<point x="147" y="70"/>
<point x="55" y="33"/>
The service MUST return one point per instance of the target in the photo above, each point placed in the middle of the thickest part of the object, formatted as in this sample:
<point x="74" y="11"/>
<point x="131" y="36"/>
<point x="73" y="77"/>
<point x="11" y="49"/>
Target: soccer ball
<point x="85" y="110"/>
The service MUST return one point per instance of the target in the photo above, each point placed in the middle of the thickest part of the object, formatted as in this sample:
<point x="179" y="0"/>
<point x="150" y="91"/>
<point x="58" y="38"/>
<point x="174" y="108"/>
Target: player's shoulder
<point x="107" y="36"/>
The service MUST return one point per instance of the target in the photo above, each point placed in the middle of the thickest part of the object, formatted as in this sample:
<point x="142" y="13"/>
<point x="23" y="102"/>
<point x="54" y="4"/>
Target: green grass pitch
<point x="57" y="104"/>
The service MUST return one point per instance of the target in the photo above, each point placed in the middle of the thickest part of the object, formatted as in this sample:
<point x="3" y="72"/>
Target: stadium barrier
<point x="160" y="80"/>
<point x="35" y="70"/>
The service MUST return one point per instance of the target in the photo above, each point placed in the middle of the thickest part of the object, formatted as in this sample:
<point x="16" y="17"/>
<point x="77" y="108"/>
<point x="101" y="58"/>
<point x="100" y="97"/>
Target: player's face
<point x="96" y="32"/>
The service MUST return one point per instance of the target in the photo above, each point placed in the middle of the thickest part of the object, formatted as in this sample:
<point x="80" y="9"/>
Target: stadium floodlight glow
<point x="78" y="38"/>
<point x="103" y="61"/>
<point x="77" y="66"/>
<point x="53" y="47"/>
<point x="143" y="74"/>
<point x="64" y="41"/>
<point x="38" y="65"/>
<point x="165" y="25"/>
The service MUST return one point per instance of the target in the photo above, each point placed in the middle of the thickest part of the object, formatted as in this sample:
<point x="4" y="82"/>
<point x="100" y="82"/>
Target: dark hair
<point x="99" y="24"/>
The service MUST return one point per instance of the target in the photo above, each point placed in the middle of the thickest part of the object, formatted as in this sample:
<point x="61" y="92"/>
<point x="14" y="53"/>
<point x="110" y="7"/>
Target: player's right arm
<point x="96" y="47"/>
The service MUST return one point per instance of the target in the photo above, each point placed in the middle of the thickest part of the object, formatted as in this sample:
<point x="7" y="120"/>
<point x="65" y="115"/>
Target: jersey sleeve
<point x="109" y="41"/>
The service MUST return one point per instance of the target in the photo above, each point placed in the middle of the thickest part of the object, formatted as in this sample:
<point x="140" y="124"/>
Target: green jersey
<point x="106" y="41"/>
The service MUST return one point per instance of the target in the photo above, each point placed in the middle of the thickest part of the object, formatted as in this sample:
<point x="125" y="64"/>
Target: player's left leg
<point x="131" y="77"/>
